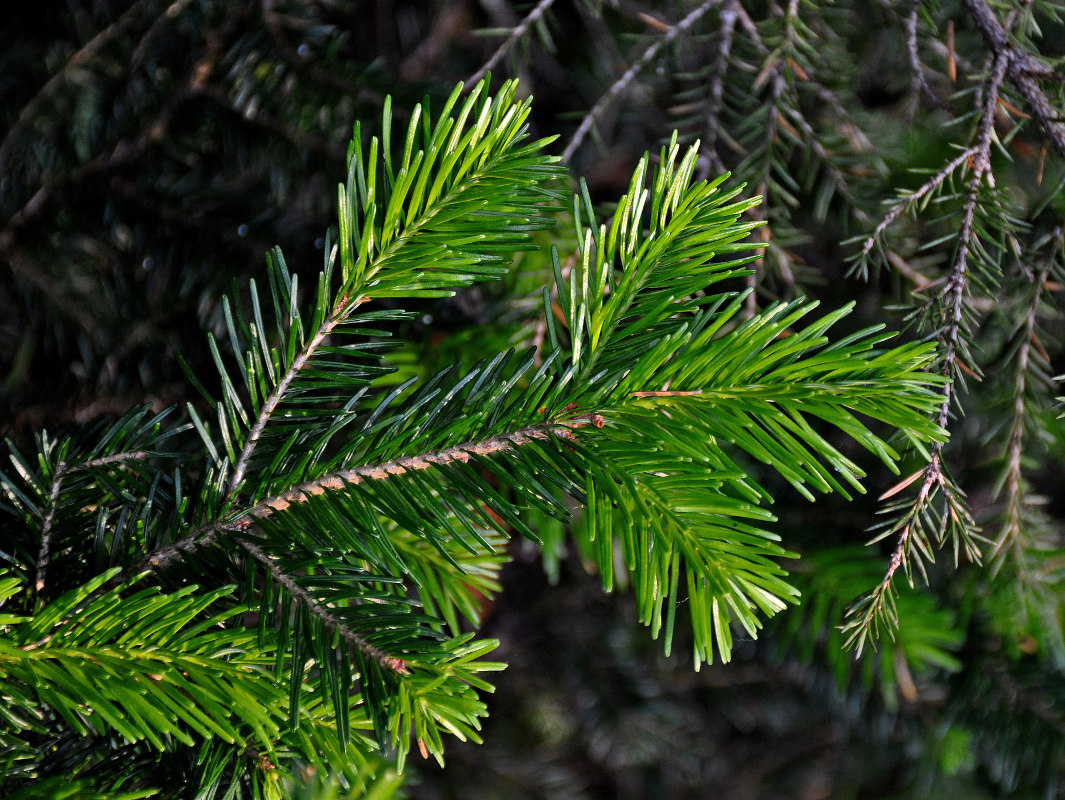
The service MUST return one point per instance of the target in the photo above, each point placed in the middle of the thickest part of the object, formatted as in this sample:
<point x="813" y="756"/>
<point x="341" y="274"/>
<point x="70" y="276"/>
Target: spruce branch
<point x="622" y="83"/>
<point x="334" y="625"/>
<point x="516" y="35"/>
<point x="1021" y="68"/>
<point x="1010" y="534"/>
<point x="912" y="199"/>
<point x="716" y="94"/>
<point x="913" y="542"/>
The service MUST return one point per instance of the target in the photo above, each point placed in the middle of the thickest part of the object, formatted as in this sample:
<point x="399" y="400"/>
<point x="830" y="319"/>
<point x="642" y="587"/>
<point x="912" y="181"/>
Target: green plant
<point x="292" y="579"/>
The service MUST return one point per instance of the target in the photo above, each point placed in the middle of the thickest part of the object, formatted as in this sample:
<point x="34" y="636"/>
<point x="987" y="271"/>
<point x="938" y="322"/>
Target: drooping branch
<point x="953" y="306"/>
<point x="83" y="55"/>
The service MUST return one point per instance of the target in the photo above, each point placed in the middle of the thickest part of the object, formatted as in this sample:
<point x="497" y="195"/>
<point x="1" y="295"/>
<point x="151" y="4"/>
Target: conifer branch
<point x="46" y="527"/>
<point x="912" y="198"/>
<point x="1020" y="67"/>
<point x="207" y="534"/>
<point x="777" y="75"/>
<point x="514" y="37"/>
<point x="1013" y="484"/>
<point x="622" y="83"/>
<point x="953" y="300"/>
<point x="918" y="84"/>
<point x="334" y="625"/>
<point x="712" y="120"/>
<point x="270" y="404"/>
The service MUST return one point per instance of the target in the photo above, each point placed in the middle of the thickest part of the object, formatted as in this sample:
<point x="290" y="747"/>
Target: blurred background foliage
<point x="151" y="153"/>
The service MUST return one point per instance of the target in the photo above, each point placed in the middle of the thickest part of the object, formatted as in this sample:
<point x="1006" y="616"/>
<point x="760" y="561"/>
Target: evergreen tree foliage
<point x="330" y="504"/>
<point x="285" y="570"/>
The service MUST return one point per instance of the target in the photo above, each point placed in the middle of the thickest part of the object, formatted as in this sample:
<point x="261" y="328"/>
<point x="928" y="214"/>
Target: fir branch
<point x="513" y="38"/>
<point x="209" y="533"/>
<point x="460" y="453"/>
<point x="46" y="527"/>
<point x="334" y="625"/>
<point x="340" y="311"/>
<point x="62" y="470"/>
<point x="629" y="75"/>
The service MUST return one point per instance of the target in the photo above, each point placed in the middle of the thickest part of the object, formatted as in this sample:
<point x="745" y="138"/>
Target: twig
<point x="515" y="36"/>
<point x="43" y="554"/>
<point x="334" y="626"/>
<point x="775" y="71"/>
<point x="930" y="185"/>
<point x="1020" y="67"/>
<point x="622" y="83"/>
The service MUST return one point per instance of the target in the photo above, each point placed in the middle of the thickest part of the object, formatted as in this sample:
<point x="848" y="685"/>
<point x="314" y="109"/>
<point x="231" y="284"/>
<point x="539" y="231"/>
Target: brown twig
<point x="622" y="83"/>
<point x="336" y="481"/>
<point x="1021" y="69"/>
<point x="515" y="36"/>
<point x="333" y="624"/>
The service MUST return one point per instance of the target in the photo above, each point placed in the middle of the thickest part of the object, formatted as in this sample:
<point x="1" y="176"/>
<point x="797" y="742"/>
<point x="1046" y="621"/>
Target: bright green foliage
<point x="295" y="586"/>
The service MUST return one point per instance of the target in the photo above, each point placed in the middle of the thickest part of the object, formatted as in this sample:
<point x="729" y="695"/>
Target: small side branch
<point x="515" y="36"/>
<point x="61" y="471"/>
<point x="630" y="74"/>
<point x="1013" y="484"/>
<point x="43" y="554"/>
<point x="931" y="185"/>
<point x="333" y="625"/>
<point x="270" y="404"/>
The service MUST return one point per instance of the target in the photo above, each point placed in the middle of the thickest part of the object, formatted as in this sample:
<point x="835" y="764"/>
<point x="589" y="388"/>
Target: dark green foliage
<point x="304" y="525"/>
